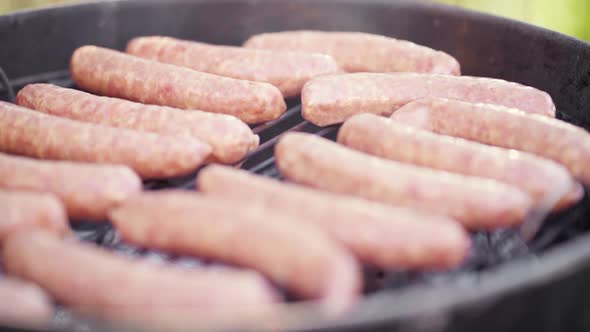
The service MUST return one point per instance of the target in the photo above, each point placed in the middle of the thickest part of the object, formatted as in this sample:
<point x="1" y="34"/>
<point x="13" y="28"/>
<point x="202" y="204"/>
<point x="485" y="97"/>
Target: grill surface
<point x="505" y="284"/>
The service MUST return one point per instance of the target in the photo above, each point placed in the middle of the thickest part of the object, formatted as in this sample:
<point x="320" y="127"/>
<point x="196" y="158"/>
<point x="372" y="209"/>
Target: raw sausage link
<point x="24" y="304"/>
<point x="230" y="138"/>
<point x="88" y="191"/>
<point x="375" y="233"/>
<point x="19" y="210"/>
<point x="554" y="139"/>
<point x="95" y="282"/>
<point x="34" y="134"/>
<point x="361" y="52"/>
<point x="286" y="70"/>
<point x="294" y="254"/>
<point x="475" y="202"/>
<point x="117" y="74"/>
<point x="334" y="98"/>
<point x="385" y="138"/>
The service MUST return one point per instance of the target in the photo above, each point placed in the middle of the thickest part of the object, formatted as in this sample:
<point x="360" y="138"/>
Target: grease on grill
<point x="489" y="249"/>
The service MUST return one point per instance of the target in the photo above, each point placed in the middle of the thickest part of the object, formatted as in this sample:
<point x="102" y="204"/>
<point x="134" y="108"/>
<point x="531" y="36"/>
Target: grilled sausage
<point x="88" y="191"/>
<point x="286" y="70"/>
<point x="475" y="202"/>
<point x="334" y="98"/>
<point x="361" y="52"/>
<point x="375" y="233"/>
<point x="23" y="304"/>
<point x="117" y="74"/>
<point x="294" y="254"/>
<point x="554" y="139"/>
<point x="95" y="282"/>
<point x="537" y="177"/>
<point x="34" y="134"/>
<point x="19" y="210"/>
<point x="229" y="137"/>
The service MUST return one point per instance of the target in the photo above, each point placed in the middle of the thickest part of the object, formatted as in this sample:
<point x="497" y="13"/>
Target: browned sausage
<point x="117" y="74"/>
<point x="98" y="283"/>
<point x="477" y="203"/>
<point x="287" y="70"/>
<point x="37" y="135"/>
<point x="229" y="137"/>
<point x="535" y="176"/>
<point x="375" y="233"/>
<point x="554" y="139"/>
<point x="293" y="253"/>
<point x="23" y="304"/>
<point x="87" y="190"/>
<point x="361" y="52"/>
<point x="19" y="210"/>
<point x="334" y="98"/>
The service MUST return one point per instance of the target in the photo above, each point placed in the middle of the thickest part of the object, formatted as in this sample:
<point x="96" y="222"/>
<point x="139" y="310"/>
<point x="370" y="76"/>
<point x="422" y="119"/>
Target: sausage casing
<point x="388" y="139"/>
<point x="554" y="139"/>
<point x="477" y="203"/>
<point x="90" y="281"/>
<point x="361" y="52"/>
<point x="375" y="233"/>
<point x="287" y="70"/>
<point x="233" y="231"/>
<point x="37" y="135"/>
<point x="88" y="191"/>
<point x="20" y="210"/>
<point x="334" y="98"/>
<point x="24" y="304"/>
<point x="116" y="74"/>
<point x="229" y="137"/>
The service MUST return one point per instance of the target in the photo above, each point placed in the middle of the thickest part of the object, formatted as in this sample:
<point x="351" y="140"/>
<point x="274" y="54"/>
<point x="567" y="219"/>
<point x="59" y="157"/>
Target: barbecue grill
<point x="506" y="285"/>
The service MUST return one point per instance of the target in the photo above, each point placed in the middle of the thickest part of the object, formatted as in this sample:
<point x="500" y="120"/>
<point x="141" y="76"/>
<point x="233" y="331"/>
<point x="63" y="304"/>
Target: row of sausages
<point x="264" y="230"/>
<point x="404" y="207"/>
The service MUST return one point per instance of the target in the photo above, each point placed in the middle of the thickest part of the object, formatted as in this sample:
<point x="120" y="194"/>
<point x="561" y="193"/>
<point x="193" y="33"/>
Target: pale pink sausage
<point x="229" y="137"/>
<point x="388" y="139"/>
<point x="332" y="99"/>
<point x="554" y="139"/>
<point x="88" y="191"/>
<point x="361" y="52"/>
<point x="37" y="135"/>
<point x="95" y="282"/>
<point x="26" y="210"/>
<point x="375" y="233"/>
<point x="116" y="74"/>
<point x="292" y="253"/>
<point x="24" y="304"/>
<point x="477" y="203"/>
<point x="287" y="70"/>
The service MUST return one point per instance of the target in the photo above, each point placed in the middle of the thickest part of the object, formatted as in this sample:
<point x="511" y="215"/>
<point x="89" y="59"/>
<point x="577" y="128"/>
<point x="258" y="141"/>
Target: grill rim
<point x="393" y="305"/>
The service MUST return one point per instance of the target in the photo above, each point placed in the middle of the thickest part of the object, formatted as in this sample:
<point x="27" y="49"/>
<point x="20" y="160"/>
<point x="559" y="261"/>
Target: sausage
<point x="375" y="233"/>
<point x="37" y="135"/>
<point x="286" y="70"/>
<point x="94" y="282"/>
<point x="554" y="139"/>
<point x="361" y="52"/>
<point x="332" y="99"/>
<point x="292" y="253"/>
<point x="477" y="203"/>
<point x="88" y="191"/>
<point x="20" y="210"/>
<point x="116" y="74"/>
<point x="229" y="137"/>
<point x="24" y="304"/>
<point x="385" y="138"/>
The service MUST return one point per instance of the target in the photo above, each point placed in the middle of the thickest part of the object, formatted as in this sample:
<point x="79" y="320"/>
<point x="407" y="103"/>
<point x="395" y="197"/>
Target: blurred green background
<point x="571" y="17"/>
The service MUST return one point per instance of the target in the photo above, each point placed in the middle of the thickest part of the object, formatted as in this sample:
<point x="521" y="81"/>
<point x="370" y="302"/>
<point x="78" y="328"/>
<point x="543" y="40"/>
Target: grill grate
<point x="489" y="248"/>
